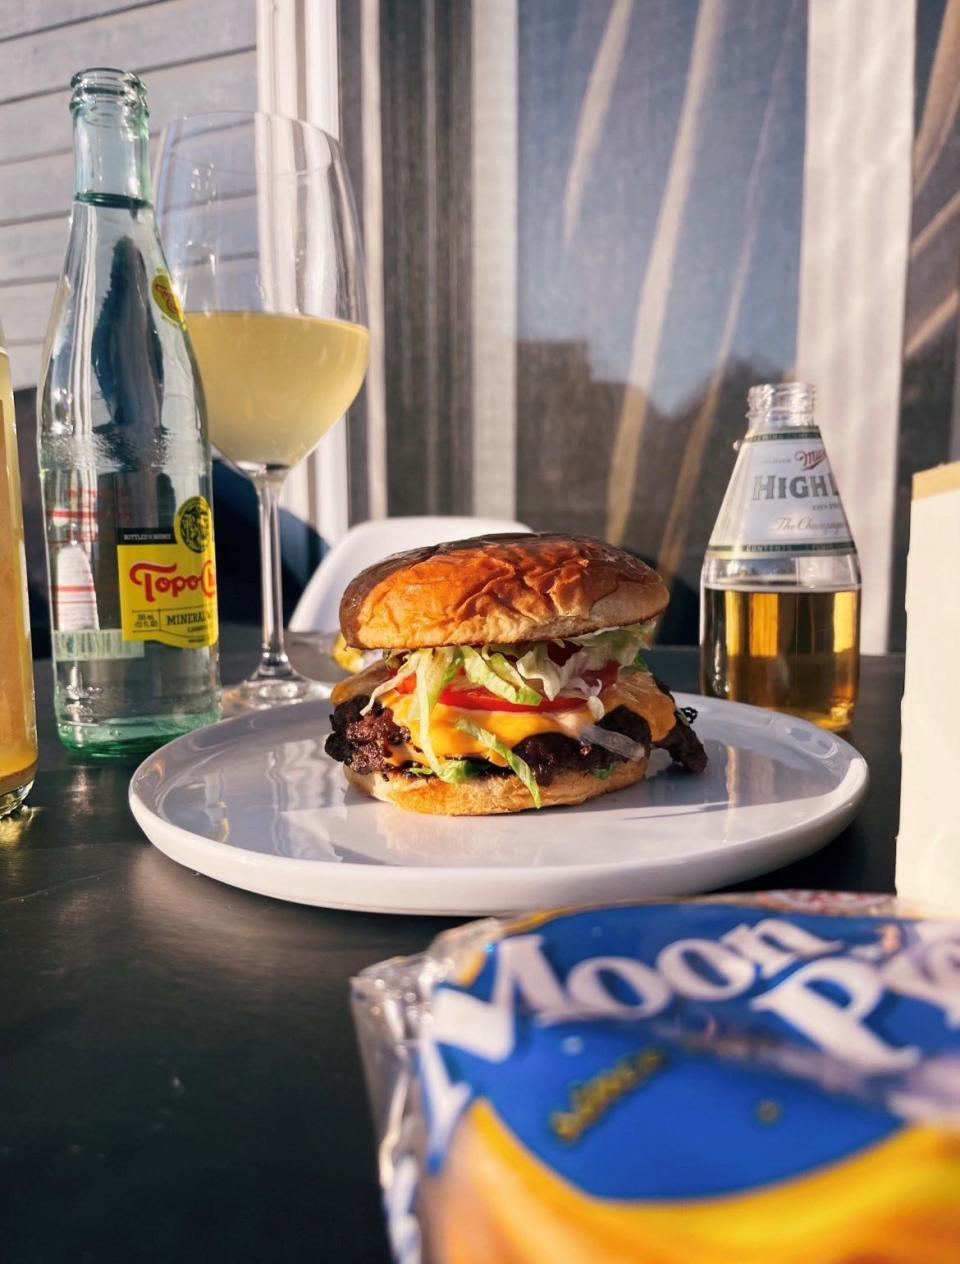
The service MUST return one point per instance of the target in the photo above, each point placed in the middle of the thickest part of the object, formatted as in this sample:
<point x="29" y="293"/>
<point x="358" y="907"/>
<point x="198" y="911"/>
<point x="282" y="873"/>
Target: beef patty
<point x="364" y="743"/>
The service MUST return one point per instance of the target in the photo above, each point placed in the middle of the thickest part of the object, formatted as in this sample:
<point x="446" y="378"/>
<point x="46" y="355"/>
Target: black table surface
<point x="179" y="1076"/>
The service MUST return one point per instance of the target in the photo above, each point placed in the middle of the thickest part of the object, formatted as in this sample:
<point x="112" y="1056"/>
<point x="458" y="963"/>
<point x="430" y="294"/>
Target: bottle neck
<point x="786" y="406"/>
<point x="111" y="155"/>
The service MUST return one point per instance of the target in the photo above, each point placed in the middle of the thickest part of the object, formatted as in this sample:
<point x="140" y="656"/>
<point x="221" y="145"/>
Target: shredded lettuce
<point x="641" y="632"/>
<point x="458" y="770"/>
<point x="521" y="674"/>
<point x="404" y="670"/>
<point x="453" y="770"/>
<point x="604" y="773"/>
<point x="434" y="669"/>
<point x="619" y="645"/>
<point x="496" y="675"/>
<point x="536" y="664"/>
<point x="498" y="647"/>
<point x="514" y="762"/>
<point x="505" y="669"/>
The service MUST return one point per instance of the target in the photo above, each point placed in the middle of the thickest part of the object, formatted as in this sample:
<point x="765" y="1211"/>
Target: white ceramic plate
<point x="255" y="802"/>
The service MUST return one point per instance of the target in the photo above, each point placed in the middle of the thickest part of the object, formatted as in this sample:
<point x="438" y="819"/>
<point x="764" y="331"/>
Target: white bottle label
<point x="782" y="498"/>
<point x="74" y="592"/>
<point x="94" y="645"/>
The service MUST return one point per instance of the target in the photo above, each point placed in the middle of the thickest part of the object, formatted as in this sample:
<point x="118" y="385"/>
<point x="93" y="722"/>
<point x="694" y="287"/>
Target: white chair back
<point x="368" y="542"/>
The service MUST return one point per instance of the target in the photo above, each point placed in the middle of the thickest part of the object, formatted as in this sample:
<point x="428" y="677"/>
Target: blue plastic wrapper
<point x="737" y="1079"/>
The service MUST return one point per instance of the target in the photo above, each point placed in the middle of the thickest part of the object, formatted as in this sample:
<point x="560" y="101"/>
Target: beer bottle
<point x="124" y="457"/>
<point x="780" y="586"/>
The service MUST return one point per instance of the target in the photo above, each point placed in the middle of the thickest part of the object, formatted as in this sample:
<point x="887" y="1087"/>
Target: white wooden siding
<point x="25" y="18"/>
<point x="194" y="55"/>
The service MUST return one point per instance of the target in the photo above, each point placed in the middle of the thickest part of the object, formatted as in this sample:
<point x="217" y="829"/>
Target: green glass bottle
<point x="124" y="457"/>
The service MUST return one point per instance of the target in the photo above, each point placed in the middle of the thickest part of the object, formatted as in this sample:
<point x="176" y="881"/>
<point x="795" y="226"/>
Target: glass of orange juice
<point x="18" y="722"/>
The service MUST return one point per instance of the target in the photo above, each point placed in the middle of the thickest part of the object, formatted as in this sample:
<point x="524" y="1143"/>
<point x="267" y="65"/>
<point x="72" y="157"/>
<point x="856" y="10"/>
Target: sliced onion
<point x="610" y="740"/>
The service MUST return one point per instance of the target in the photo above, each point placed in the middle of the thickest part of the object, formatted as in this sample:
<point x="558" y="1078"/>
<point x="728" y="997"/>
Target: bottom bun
<point x="484" y="796"/>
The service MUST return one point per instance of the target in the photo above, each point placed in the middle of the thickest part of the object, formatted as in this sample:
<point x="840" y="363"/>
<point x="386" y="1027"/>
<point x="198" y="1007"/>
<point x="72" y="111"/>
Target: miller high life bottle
<point x="124" y="457"/>
<point x="780" y="586"/>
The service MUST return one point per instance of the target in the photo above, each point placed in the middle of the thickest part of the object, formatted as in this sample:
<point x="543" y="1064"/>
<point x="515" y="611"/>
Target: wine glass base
<point x="259" y="695"/>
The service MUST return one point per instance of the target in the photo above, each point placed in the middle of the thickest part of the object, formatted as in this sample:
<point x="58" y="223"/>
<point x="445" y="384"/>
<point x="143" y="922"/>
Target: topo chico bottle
<point x="780" y="586"/>
<point x="124" y="457"/>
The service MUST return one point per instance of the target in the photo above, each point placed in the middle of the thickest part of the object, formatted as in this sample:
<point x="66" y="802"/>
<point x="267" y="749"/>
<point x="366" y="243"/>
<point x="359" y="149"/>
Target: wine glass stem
<point x="274" y="664"/>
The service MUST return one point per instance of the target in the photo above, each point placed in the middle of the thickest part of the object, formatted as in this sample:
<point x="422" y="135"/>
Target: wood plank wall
<point x="193" y="55"/>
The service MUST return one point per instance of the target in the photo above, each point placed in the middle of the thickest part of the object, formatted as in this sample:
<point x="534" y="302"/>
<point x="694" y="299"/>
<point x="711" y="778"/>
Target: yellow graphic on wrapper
<point x="892" y="1202"/>
<point x="166" y="299"/>
<point x="168" y="588"/>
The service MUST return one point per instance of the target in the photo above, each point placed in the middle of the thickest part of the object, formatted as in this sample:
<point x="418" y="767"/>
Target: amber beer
<point x="780" y="587"/>
<point x="18" y="729"/>
<point x="792" y="651"/>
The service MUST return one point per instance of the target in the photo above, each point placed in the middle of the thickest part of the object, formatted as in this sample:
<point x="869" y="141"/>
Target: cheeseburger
<point x="512" y="676"/>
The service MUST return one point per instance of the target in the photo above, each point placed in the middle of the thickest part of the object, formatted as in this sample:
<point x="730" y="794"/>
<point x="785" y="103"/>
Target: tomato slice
<point x="476" y="698"/>
<point x="470" y="697"/>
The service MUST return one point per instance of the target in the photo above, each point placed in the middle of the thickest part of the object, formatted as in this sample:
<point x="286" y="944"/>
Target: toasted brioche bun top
<point x="509" y="588"/>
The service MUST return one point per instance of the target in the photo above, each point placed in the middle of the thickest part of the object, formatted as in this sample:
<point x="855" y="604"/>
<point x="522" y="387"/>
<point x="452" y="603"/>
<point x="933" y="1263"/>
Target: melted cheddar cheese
<point x="634" y="690"/>
<point x="638" y="692"/>
<point x="511" y="727"/>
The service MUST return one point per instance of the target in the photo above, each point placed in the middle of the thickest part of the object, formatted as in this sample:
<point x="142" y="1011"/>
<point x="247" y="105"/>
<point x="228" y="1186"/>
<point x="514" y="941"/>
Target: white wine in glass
<point x="260" y="231"/>
<point x="299" y="375"/>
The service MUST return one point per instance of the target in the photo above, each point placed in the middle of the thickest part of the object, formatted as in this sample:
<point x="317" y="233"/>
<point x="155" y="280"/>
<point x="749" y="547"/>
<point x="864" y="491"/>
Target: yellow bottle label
<point x="168" y="580"/>
<point x="166" y="299"/>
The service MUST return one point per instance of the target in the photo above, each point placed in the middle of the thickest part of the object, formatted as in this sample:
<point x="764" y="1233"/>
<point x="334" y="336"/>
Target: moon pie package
<point x="743" y="1079"/>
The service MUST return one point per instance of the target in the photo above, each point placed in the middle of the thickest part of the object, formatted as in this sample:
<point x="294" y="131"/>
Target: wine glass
<point x="260" y="233"/>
